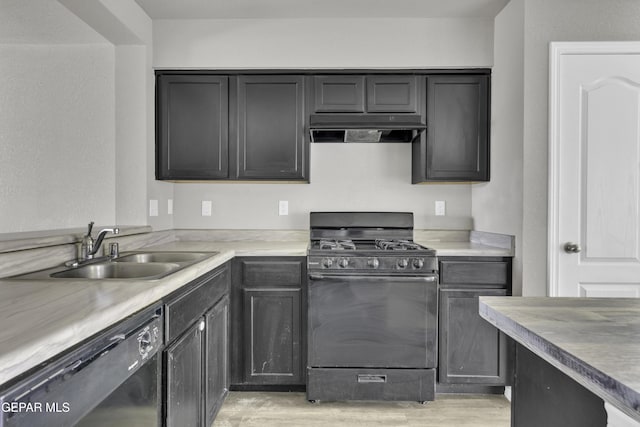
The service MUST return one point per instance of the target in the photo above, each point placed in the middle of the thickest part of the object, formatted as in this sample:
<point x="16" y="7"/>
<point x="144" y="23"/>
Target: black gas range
<point x="372" y="309"/>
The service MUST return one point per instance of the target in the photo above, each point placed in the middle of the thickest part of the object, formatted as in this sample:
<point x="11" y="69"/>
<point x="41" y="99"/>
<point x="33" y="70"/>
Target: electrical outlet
<point x="170" y="207"/>
<point x="206" y="208"/>
<point x="153" y="207"/>
<point x="440" y="208"/>
<point x="283" y="207"/>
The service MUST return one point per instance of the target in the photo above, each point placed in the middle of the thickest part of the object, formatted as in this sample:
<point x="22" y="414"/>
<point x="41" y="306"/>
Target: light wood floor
<point x="292" y="409"/>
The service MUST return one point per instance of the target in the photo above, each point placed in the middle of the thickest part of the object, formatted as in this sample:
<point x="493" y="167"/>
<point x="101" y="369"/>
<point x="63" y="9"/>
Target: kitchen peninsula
<point x="572" y="354"/>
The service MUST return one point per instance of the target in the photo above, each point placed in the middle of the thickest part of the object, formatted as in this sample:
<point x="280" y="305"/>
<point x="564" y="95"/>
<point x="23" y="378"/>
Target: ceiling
<point x="272" y="9"/>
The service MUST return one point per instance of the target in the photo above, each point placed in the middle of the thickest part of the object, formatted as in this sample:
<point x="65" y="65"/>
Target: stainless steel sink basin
<point x="118" y="270"/>
<point x="174" y="257"/>
<point x="133" y="265"/>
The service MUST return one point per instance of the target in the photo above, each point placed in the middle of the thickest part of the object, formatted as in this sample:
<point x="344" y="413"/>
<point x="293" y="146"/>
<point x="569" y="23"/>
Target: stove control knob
<point x="373" y="262"/>
<point x="418" y="263"/>
<point x="327" y="262"/>
<point x="343" y="262"/>
<point x="402" y="263"/>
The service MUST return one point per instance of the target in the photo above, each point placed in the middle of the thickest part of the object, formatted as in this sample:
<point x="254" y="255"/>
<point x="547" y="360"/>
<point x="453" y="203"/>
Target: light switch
<point x="206" y="208"/>
<point x="440" y="208"/>
<point x="283" y="207"/>
<point x="153" y="207"/>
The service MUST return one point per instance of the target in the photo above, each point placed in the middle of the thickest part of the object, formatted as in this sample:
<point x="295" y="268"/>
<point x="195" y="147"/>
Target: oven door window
<point x="372" y="321"/>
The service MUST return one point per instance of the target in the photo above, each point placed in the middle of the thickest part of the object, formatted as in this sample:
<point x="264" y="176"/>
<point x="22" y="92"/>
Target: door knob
<point x="572" y="248"/>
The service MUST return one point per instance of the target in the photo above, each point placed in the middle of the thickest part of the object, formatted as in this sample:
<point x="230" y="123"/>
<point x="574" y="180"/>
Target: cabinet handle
<point x="368" y="378"/>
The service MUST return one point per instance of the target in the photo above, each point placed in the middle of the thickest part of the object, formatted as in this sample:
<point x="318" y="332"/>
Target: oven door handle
<point x="323" y="276"/>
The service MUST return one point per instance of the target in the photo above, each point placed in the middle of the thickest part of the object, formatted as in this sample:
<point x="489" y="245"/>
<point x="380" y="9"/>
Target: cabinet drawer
<point x="370" y="384"/>
<point x="189" y="306"/>
<point x="474" y="273"/>
<point x="267" y="273"/>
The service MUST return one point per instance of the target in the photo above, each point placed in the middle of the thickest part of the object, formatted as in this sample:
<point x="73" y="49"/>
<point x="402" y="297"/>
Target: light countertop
<point x="595" y="341"/>
<point x="42" y="318"/>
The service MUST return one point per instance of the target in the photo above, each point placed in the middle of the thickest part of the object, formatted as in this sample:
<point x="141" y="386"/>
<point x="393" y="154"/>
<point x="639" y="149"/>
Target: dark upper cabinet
<point x="366" y="94"/>
<point x="392" y="94"/>
<point x="192" y="127"/>
<point x="339" y="94"/>
<point x="456" y="145"/>
<point x="268" y="323"/>
<point x="213" y="127"/>
<point x="471" y="351"/>
<point x="268" y="133"/>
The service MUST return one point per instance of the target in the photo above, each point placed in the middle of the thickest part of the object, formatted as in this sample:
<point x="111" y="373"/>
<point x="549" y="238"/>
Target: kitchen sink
<point x="173" y="257"/>
<point x="118" y="270"/>
<point x="133" y="265"/>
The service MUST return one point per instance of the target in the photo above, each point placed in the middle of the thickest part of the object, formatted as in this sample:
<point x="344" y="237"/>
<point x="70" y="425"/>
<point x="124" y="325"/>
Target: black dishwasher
<point x="111" y="379"/>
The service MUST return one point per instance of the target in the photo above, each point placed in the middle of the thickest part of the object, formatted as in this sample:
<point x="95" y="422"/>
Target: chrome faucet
<point x="89" y="247"/>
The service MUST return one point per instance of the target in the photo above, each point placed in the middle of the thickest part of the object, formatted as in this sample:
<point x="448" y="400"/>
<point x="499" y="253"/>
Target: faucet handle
<point x="89" y="228"/>
<point x="114" y="249"/>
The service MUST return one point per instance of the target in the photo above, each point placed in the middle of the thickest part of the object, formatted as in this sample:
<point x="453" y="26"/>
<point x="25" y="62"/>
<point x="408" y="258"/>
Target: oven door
<point x="372" y="321"/>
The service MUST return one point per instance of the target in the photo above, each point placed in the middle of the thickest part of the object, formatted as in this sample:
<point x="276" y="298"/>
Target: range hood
<point x="365" y="127"/>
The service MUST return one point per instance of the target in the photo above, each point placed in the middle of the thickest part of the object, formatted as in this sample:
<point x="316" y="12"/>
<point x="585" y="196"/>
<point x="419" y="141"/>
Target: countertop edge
<point x="591" y="378"/>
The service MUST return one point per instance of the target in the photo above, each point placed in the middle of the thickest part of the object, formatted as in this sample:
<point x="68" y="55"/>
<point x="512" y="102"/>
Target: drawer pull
<point x="367" y="378"/>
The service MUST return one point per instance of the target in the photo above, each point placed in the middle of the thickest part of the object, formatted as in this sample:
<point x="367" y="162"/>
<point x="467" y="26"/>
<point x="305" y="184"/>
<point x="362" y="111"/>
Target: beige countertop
<point x="42" y="318"/>
<point x="595" y="341"/>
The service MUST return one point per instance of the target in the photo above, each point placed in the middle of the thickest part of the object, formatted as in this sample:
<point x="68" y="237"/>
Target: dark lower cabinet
<point x="217" y="358"/>
<point x="456" y="144"/>
<point x="184" y="378"/>
<point x="473" y="355"/>
<point x="272" y="336"/>
<point x="196" y="361"/>
<point x="268" y="322"/>
<point x="472" y="351"/>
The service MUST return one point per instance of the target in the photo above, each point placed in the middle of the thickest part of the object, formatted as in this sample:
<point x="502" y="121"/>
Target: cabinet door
<point x="471" y="351"/>
<point x="192" y="127"/>
<point x="216" y="358"/>
<point x="392" y="94"/>
<point x="270" y="141"/>
<point x="184" y="379"/>
<point x="457" y="137"/>
<point x="272" y="347"/>
<point x="339" y="94"/>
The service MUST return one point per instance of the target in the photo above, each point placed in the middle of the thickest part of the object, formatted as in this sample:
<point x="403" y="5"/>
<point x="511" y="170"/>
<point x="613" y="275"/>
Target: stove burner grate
<point x="337" y="245"/>
<point x="396" y="245"/>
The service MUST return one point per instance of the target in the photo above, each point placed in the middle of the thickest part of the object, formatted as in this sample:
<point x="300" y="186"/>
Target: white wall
<point x="545" y="21"/>
<point x="322" y="43"/>
<point x="57" y="153"/>
<point x="497" y="205"/>
<point x="381" y="175"/>
<point x="344" y="177"/>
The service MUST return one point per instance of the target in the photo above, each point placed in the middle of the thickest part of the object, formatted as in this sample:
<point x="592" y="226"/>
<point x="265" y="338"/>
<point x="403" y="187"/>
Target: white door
<point x="594" y="169"/>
